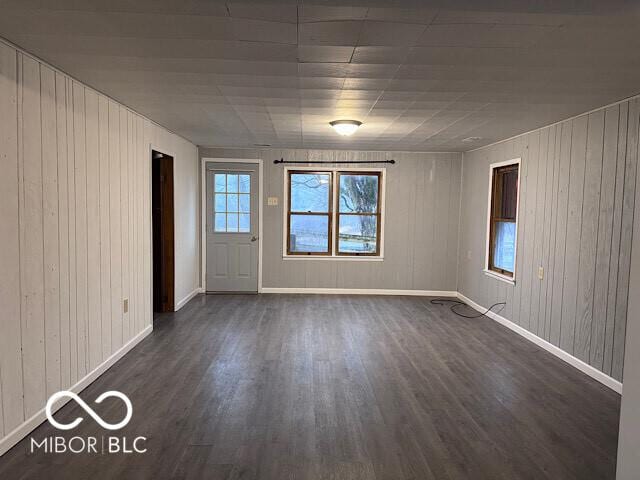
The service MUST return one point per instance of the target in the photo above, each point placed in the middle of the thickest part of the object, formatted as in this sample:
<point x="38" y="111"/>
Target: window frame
<point x="489" y="269"/>
<point x="333" y="219"/>
<point x="338" y="174"/>
<point x="328" y="213"/>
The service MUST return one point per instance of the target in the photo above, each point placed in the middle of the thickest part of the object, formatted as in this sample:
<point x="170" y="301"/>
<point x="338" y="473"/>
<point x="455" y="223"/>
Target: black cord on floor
<point x="455" y="303"/>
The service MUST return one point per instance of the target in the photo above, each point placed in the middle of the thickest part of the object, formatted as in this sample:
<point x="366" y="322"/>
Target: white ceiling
<point x="421" y="75"/>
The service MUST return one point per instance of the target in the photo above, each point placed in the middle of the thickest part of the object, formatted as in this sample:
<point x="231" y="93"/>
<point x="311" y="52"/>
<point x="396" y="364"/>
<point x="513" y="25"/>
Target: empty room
<point x="319" y="239"/>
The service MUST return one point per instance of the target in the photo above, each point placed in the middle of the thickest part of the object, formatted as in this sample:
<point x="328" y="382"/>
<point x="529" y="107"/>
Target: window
<point x="333" y="213"/>
<point x="232" y="203"/>
<point x="503" y="217"/>
<point x="309" y="217"/>
<point x="358" y="213"/>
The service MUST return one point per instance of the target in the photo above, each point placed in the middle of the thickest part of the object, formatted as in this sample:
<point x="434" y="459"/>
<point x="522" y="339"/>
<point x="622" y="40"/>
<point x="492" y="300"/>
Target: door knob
<point x="254" y="238"/>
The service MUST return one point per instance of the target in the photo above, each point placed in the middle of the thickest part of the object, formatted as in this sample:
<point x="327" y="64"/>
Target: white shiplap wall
<point x="75" y="231"/>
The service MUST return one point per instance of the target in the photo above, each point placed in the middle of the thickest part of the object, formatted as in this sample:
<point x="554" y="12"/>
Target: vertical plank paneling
<point x="604" y="236"/>
<point x="442" y="192"/>
<point x="536" y="325"/>
<point x="574" y="222"/>
<point x="105" y="223"/>
<point x="115" y="226"/>
<point x="550" y="270"/>
<point x="10" y="339"/>
<point x="31" y="240"/>
<point x="63" y="227"/>
<point x="74" y="232"/>
<point x="80" y="157"/>
<point x="50" y="230"/>
<point x="124" y="214"/>
<point x="423" y="224"/>
<point x="145" y="187"/>
<point x="624" y="265"/>
<point x="139" y="213"/>
<point x="132" y="157"/>
<point x="560" y="232"/>
<point x="453" y="224"/>
<point x="136" y="226"/>
<point x="579" y="229"/>
<point x="615" y="237"/>
<point x="94" y="329"/>
<point x="588" y="237"/>
<point x="73" y="292"/>
<point x="529" y="227"/>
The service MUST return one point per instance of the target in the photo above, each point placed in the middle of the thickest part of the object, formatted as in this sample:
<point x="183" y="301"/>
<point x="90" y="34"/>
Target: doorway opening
<point x="163" y="231"/>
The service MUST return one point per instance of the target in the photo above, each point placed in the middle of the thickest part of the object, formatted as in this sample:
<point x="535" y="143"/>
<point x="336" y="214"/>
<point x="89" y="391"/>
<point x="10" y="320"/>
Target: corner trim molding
<point x="22" y="430"/>
<point x="594" y="373"/>
<point x="361" y="291"/>
<point x="186" y="299"/>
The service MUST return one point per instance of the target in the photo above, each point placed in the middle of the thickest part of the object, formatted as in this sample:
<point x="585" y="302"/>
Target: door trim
<point x="203" y="213"/>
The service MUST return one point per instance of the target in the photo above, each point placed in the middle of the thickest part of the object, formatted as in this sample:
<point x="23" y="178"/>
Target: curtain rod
<point x="282" y="160"/>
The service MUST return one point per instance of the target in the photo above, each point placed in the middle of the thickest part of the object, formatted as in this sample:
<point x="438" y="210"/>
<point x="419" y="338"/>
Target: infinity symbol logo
<point x="109" y="426"/>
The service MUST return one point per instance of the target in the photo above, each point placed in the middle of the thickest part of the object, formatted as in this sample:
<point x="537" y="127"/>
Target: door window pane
<point x="309" y="233"/>
<point x="221" y="222"/>
<point x="310" y="192"/>
<point x="244" y="222"/>
<point x="221" y="202"/>
<point x="358" y="193"/>
<point x="244" y="204"/>
<point x="358" y="234"/>
<point x="244" y="181"/>
<point x="232" y="202"/>
<point x="232" y="222"/>
<point x="232" y="183"/>
<point x="220" y="182"/>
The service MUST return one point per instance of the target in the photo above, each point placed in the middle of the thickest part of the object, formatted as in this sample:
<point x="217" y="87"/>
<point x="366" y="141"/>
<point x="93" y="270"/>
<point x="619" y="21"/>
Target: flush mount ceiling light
<point x="345" y="127"/>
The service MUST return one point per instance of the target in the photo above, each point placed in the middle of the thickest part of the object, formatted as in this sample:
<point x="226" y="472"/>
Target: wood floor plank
<point x="339" y="387"/>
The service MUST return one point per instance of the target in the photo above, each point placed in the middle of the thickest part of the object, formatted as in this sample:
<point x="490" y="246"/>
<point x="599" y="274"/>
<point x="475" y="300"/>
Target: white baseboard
<point x="30" y="424"/>
<point x="186" y="299"/>
<point x="361" y="291"/>
<point x="594" y="373"/>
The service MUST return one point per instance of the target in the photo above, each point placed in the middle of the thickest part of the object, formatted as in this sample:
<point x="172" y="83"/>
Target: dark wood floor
<point x="339" y="387"/>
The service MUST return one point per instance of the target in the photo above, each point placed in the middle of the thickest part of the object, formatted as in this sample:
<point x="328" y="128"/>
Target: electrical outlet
<point x="125" y="305"/>
<point x="540" y="273"/>
<point x="272" y="201"/>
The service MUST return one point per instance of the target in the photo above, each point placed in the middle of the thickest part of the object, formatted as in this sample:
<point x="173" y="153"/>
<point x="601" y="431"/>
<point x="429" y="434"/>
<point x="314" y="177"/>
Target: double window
<point x="333" y="213"/>
<point x="503" y="219"/>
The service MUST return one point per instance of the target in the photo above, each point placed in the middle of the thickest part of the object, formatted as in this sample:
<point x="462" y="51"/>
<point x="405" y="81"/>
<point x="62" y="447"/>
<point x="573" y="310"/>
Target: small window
<point x="232" y="203"/>
<point x="503" y="217"/>
<point x="333" y="213"/>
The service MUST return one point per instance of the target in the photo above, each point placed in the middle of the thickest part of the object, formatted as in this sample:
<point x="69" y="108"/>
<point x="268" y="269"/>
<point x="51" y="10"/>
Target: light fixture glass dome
<point x="345" y="127"/>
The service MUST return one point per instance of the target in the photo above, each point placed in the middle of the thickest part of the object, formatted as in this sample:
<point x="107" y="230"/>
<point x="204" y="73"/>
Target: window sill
<point x="336" y="258"/>
<point x="498" y="276"/>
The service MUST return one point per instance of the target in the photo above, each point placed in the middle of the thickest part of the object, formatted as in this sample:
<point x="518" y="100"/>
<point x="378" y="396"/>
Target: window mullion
<point x="333" y="234"/>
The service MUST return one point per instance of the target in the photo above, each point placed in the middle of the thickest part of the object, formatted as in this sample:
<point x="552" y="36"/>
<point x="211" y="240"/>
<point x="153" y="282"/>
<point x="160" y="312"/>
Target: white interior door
<point x="232" y="227"/>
